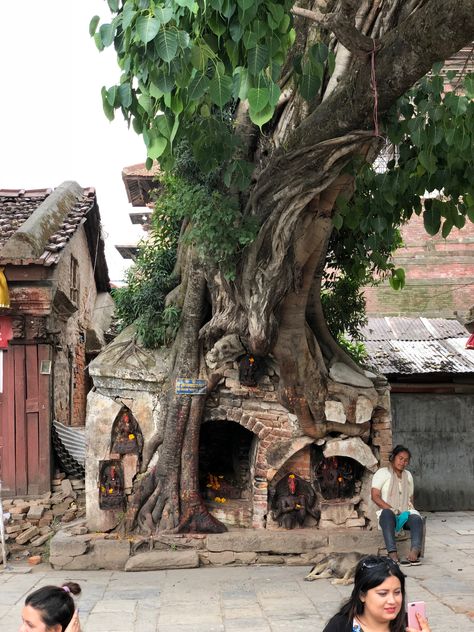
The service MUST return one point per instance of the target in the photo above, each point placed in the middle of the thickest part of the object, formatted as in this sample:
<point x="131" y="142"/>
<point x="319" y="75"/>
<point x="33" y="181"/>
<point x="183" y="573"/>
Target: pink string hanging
<point x="373" y="85"/>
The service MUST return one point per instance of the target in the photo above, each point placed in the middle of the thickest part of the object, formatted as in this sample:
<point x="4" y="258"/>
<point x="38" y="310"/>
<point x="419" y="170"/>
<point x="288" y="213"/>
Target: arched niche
<point x="126" y="436"/>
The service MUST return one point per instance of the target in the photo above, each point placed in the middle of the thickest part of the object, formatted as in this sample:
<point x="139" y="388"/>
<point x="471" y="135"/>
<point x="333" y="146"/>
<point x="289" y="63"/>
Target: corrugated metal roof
<point x="417" y="345"/>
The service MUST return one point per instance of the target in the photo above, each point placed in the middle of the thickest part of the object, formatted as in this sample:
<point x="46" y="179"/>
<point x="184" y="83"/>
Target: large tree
<point x="283" y="105"/>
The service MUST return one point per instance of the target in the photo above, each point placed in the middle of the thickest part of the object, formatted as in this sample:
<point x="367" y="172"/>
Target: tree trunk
<point x="274" y="304"/>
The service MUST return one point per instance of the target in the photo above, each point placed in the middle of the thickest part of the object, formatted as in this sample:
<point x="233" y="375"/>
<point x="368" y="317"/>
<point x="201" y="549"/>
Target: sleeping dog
<point x="340" y="567"/>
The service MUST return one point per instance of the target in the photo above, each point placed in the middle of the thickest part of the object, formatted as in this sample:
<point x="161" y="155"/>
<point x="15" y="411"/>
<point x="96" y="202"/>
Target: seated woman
<point x="392" y="492"/>
<point x="51" y="609"/>
<point x="377" y="602"/>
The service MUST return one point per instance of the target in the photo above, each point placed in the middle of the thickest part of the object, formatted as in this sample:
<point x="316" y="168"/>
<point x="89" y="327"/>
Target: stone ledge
<point x="238" y="547"/>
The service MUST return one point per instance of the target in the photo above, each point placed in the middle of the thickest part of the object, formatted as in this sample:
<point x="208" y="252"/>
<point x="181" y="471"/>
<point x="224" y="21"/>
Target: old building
<point x="52" y="254"/>
<point x="430" y="369"/>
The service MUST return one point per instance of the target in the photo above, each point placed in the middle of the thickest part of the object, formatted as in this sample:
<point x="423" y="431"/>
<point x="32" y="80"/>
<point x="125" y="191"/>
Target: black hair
<point x="372" y="571"/>
<point x="55" y="603"/>
<point x="396" y="450"/>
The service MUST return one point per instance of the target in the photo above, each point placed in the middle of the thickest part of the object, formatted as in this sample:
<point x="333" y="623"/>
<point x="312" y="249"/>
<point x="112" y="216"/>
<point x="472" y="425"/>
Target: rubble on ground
<point x="31" y="523"/>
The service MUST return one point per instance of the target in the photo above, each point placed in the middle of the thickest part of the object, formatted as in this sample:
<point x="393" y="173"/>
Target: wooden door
<point x="25" y="424"/>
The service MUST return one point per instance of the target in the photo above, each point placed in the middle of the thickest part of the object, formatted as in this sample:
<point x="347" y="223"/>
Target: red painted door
<point x="25" y="452"/>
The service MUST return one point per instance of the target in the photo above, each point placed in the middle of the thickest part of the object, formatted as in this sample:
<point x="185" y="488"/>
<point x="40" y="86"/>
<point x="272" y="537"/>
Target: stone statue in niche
<point x="126" y="435"/>
<point x="292" y="500"/>
<point x="111" y="491"/>
<point x="249" y="370"/>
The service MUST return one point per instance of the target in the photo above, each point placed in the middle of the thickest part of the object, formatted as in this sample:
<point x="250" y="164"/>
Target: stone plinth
<point x="238" y="548"/>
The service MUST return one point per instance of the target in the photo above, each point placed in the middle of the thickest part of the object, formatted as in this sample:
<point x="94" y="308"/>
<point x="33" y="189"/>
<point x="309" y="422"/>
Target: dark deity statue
<point x="292" y="500"/>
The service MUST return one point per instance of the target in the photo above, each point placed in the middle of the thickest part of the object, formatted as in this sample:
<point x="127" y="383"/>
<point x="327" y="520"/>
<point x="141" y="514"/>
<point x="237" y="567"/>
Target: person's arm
<point x="376" y="496"/>
<point x="423" y="624"/>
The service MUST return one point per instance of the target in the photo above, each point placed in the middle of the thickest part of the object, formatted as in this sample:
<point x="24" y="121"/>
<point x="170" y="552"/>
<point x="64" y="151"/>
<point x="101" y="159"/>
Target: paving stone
<point x="158" y="560"/>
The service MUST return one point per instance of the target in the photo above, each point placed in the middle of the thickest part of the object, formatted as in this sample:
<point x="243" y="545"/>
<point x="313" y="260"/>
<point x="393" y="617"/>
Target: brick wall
<point x="439" y="275"/>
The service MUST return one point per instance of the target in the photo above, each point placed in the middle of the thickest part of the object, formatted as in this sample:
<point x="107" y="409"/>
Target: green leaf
<point x="232" y="49"/>
<point x="155" y="92"/>
<point x="93" y="25"/>
<point x="258" y="98"/>
<point x="241" y="83"/>
<point x="108" y="109"/>
<point x="146" y="103"/>
<point x="432" y="220"/>
<point x="156" y="147"/>
<point x="397" y="280"/>
<point x="257" y="59"/>
<point x="228" y="8"/>
<point x="164" y="80"/>
<point x="274" y="93"/>
<point x="125" y="95"/>
<point x="250" y="39"/>
<point x="216" y="25"/>
<point x="113" y="5"/>
<point x="111" y="94"/>
<point x="199" y="57"/>
<point x="262" y="117"/>
<point x="166" y="44"/>
<point x="164" y="15"/>
<point x="469" y="85"/>
<point x="338" y="221"/>
<point x="245" y="5"/>
<point x="107" y="32"/>
<point x="127" y="15"/>
<point x="98" y="41"/>
<point x="447" y="227"/>
<point x="147" y="27"/>
<point x="198" y="86"/>
<point x="309" y="86"/>
<point x="331" y="62"/>
<point x="319" y="53"/>
<point x="220" y="89"/>
<point x="428" y="160"/>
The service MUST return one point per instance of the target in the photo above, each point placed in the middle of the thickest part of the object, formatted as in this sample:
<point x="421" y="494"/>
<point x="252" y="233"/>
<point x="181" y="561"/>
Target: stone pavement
<point x="253" y="598"/>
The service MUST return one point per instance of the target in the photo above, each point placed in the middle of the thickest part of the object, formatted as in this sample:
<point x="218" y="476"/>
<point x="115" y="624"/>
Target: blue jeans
<point x="414" y="524"/>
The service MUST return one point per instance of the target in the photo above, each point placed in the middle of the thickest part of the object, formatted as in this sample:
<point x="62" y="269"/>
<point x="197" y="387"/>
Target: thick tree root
<point x="199" y="520"/>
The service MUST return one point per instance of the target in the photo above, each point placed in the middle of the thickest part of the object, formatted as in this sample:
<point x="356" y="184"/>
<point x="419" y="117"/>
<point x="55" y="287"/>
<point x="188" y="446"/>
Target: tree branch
<point x="338" y="23"/>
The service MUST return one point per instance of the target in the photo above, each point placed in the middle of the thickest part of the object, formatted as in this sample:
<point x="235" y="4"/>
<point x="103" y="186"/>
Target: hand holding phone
<point x="414" y="608"/>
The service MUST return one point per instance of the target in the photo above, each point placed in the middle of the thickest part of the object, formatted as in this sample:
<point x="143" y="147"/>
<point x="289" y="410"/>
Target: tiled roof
<point x="406" y="346"/>
<point x="140" y="183"/>
<point x="18" y="205"/>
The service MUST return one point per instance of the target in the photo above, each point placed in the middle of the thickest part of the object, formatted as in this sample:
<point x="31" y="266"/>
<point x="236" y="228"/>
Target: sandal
<point x="416" y="562"/>
<point x="406" y="562"/>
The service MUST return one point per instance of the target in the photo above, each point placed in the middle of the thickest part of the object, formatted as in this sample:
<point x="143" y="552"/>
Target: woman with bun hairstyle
<point x="392" y="492"/>
<point x="51" y="609"/>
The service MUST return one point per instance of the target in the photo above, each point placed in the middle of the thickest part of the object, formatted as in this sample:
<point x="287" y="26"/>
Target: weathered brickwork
<point x="439" y="275"/>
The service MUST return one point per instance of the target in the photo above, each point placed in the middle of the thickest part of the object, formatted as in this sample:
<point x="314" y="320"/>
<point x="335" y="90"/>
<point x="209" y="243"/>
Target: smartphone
<point x="412" y="609"/>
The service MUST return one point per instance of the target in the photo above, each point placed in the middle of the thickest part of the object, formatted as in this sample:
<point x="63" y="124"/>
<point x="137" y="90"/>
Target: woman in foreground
<point x="51" y="609"/>
<point x="377" y="602"/>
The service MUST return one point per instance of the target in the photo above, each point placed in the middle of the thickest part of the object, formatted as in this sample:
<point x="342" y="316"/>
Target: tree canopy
<point x="267" y="118"/>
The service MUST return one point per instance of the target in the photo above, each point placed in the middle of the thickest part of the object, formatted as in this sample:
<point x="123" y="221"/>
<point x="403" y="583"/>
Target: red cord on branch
<point x="373" y="85"/>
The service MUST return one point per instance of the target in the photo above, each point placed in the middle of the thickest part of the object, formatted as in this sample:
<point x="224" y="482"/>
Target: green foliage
<point x="354" y="348"/>
<point x="142" y="300"/>
<point x="216" y="228"/>
<point x="182" y="60"/>
<point x="432" y="135"/>
<point x="344" y="306"/>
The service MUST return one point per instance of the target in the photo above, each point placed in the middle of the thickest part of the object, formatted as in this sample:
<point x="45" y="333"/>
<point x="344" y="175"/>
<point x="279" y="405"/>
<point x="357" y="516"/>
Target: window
<point x="74" y="278"/>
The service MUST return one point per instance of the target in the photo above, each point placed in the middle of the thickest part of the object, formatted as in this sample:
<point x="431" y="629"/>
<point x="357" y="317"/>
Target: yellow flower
<point x="131" y="436"/>
<point x="291" y="476"/>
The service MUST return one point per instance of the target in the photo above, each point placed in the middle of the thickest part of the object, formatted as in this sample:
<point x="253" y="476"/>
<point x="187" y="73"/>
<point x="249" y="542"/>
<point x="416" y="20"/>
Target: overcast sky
<point x="52" y="127"/>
